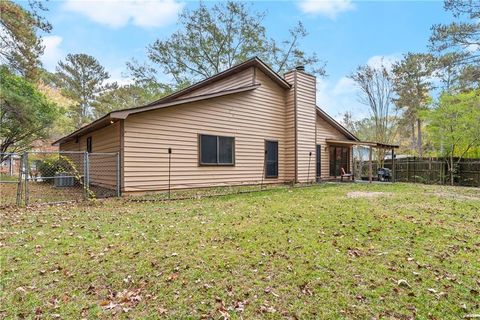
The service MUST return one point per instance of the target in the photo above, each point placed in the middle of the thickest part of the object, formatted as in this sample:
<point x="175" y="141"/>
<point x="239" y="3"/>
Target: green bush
<point x="51" y="166"/>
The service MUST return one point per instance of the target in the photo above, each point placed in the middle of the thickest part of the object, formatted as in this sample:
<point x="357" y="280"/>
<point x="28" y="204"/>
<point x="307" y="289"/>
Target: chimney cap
<point x="300" y="68"/>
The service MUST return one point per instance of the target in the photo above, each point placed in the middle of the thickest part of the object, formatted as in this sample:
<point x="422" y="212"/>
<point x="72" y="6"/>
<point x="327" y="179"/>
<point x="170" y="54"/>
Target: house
<point x="246" y="125"/>
<point x="43" y="145"/>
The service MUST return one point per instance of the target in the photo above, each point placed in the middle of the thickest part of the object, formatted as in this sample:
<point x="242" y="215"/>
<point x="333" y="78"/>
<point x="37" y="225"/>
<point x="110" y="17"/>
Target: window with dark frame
<point x="216" y="150"/>
<point x="271" y="159"/>
<point x="89" y="144"/>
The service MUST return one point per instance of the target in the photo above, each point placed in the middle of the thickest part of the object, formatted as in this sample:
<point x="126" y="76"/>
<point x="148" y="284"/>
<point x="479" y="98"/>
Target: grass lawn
<point x="329" y="251"/>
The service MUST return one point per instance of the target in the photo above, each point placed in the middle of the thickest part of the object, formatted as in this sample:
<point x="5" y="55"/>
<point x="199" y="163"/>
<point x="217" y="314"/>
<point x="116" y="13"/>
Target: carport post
<point x="393" y="164"/>
<point x="370" y="164"/>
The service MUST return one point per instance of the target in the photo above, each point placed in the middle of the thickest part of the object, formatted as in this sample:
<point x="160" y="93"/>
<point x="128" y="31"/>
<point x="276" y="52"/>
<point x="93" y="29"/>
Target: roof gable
<point x="253" y="62"/>
<point x="322" y="114"/>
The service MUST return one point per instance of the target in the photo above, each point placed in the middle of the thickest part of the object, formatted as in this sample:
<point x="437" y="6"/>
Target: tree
<point x="25" y="114"/>
<point x="82" y="79"/>
<point x="127" y="96"/>
<point x="213" y="39"/>
<point x="458" y="43"/>
<point x="454" y="127"/>
<point x="412" y="85"/>
<point x="376" y="90"/>
<point x="63" y="124"/>
<point x="364" y="129"/>
<point x="21" y="47"/>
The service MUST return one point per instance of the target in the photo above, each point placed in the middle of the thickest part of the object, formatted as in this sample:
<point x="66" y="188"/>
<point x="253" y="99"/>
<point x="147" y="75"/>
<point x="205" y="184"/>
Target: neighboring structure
<point x="246" y="125"/>
<point x="43" y="145"/>
<point x="11" y="164"/>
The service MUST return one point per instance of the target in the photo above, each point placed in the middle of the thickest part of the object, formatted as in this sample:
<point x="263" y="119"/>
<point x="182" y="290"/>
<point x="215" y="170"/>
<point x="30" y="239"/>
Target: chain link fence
<point x="52" y="177"/>
<point x="10" y="171"/>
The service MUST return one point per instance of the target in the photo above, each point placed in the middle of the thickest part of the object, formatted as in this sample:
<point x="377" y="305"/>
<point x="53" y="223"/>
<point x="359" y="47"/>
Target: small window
<point x="89" y="144"/>
<point x="271" y="159"/>
<point x="216" y="150"/>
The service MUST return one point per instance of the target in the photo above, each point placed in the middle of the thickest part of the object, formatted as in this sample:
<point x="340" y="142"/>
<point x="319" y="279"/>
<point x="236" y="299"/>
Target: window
<point x="339" y="158"/>
<point x="216" y="150"/>
<point x="89" y="144"/>
<point x="271" y="159"/>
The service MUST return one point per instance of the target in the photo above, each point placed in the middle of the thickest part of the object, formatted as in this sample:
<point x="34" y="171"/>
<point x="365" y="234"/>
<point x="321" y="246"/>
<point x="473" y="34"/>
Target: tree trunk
<point x="451" y="170"/>
<point x="419" y="138"/>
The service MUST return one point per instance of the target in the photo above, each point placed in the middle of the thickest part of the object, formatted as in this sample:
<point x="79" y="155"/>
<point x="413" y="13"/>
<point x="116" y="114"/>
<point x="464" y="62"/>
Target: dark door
<point x="271" y="159"/>
<point x="318" y="167"/>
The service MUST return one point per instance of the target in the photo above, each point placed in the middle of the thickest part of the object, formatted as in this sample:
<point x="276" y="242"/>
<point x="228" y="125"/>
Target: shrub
<point x="51" y="166"/>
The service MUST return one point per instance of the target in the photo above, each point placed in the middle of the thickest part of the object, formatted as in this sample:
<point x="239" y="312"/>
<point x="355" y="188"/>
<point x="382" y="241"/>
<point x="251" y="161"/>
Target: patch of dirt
<point x="456" y="196"/>
<point x="366" y="194"/>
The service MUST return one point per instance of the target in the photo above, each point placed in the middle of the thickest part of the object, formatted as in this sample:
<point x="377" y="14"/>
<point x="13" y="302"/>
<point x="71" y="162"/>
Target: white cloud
<point x="52" y="52"/>
<point x="344" y="86"/>
<point x="116" y="14"/>
<point x="472" y="48"/>
<point x="328" y="8"/>
<point x="338" y="97"/>
<point x="387" y="60"/>
<point x="116" y="75"/>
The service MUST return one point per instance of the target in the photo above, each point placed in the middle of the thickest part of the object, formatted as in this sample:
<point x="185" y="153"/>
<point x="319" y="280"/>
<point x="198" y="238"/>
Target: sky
<point x="343" y="33"/>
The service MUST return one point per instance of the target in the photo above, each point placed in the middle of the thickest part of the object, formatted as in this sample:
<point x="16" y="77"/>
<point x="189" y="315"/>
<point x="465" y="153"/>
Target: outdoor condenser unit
<point x="63" y="179"/>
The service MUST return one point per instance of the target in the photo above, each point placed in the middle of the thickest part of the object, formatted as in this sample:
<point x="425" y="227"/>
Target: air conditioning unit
<point x="63" y="179"/>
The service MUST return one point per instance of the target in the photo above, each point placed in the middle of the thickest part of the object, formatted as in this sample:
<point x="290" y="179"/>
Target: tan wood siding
<point x="69" y="146"/>
<point x="327" y="131"/>
<point x="241" y="79"/>
<point x="251" y="117"/>
<point x="102" y="167"/>
<point x="305" y="115"/>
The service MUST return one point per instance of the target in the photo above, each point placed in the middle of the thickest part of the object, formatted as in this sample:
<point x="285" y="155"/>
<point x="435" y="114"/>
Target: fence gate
<point x="50" y="177"/>
<point x="10" y="178"/>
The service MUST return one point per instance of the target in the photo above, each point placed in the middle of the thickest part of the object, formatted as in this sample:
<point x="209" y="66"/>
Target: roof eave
<point x="101" y="122"/>
<point x="335" y="124"/>
<point x="241" y="66"/>
<point x="123" y="114"/>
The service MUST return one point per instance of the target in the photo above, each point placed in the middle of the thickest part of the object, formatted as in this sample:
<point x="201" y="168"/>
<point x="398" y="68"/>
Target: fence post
<point x="478" y="173"/>
<point x="20" y="179"/>
<point x="408" y="169"/>
<point x="85" y="174"/>
<point x="118" y="174"/>
<point x="370" y="165"/>
<point x="442" y="172"/>
<point x="414" y="170"/>
<point x="26" y="170"/>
